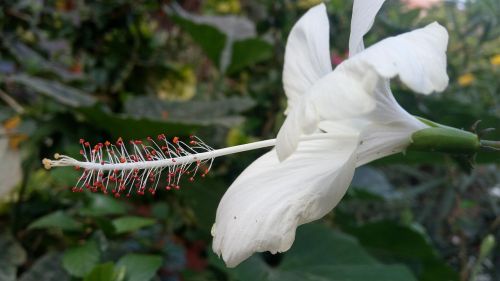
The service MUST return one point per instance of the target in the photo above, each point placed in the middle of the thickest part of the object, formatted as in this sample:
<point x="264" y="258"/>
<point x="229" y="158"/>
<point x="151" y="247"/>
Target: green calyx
<point x="440" y="138"/>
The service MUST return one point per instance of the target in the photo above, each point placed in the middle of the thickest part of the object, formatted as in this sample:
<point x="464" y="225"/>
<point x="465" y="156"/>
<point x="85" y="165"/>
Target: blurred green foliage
<point x="108" y="69"/>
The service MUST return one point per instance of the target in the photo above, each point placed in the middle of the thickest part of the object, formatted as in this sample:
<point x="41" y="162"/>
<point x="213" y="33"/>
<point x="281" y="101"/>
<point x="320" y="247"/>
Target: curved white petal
<point x="417" y="57"/>
<point x="338" y="95"/>
<point x="270" y="199"/>
<point x="381" y="140"/>
<point x="363" y="16"/>
<point x="307" y="54"/>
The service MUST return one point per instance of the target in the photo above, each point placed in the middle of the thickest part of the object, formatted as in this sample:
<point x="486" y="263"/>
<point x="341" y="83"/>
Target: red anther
<point x="175" y="140"/>
<point x="153" y="152"/>
<point x="193" y="142"/>
<point x="81" y="151"/>
<point x="111" y="178"/>
<point x="115" y="171"/>
<point x="107" y="143"/>
<point x="153" y="192"/>
<point x="138" y="142"/>
<point x="87" y="185"/>
<point x="82" y="141"/>
<point x="149" y="138"/>
<point x="77" y="168"/>
<point x="102" y="162"/>
<point x="203" y="175"/>
<point x="161" y="137"/>
<point x="191" y="136"/>
<point x="74" y="189"/>
<point x="198" y="162"/>
<point x="119" y="141"/>
<point x="105" y="192"/>
<point x="164" y="148"/>
<point x="117" y="195"/>
<point x="93" y="189"/>
<point x="100" y="174"/>
<point x="122" y="160"/>
<point x="87" y="144"/>
<point x="191" y="179"/>
<point x="168" y="187"/>
<point x="128" y="195"/>
<point x="113" y="191"/>
<point x="177" y="187"/>
<point x="100" y="145"/>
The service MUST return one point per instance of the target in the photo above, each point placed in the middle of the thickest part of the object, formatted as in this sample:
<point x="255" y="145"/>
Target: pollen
<point x="102" y="168"/>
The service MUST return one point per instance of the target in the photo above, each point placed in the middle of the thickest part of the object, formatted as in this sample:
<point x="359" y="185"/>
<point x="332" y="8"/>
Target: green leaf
<point x="58" y="219"/>
<point x="213" y="112"/>
<point x="47" y="268"/>
<point x="62" y="93"/>
<point x="391" y="242"/>
<point x="210" y="39"/>
<point x="8" y="272"/>
<point x="133" y="127"/>
<point x="140" y="267"/>
<point x="33" y="61"/>
<point x="204" y="201"/>
<point x="79" y="261"/>
<point x="104" y="272"/>
<point x="319" y="253"/>
<point x="12" y="252"/>
<point x="249" y="52"/>
<point x="101" y="205"/>
<point x="130" y="223"/>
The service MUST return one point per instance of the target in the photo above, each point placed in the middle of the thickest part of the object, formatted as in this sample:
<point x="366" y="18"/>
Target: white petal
<point x="363" y="16"/>
<point x="338" y="95"/>
<point x="381" y="140"/>
<point x="270" y="199"/>
<point x="417" y="57"/>
<point x="307" y="54"/>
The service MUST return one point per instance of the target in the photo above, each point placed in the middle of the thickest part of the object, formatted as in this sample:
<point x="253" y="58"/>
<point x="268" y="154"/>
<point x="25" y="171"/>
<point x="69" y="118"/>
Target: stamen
<point x="148" y="165"/>
<point x="116" y="168"/>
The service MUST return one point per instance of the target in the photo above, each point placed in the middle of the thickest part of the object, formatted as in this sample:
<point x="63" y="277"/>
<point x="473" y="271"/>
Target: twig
<point x="11" y="102"/>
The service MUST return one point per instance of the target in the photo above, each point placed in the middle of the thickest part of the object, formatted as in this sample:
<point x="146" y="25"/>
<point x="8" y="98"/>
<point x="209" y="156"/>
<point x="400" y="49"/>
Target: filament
<point x="145" y="166"/>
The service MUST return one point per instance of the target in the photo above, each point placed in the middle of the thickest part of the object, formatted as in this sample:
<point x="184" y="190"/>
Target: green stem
<point x="490" y="145"/>
<point x="445" y="139"/>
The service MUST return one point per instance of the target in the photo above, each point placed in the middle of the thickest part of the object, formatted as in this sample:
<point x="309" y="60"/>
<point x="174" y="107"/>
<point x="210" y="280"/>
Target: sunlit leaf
<point x="58" y="219"/>
<point x="104" y="272"/>
<point x="130" y="224"/>
<point x="140" y="267"/>
<point x="79" y="261"/>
